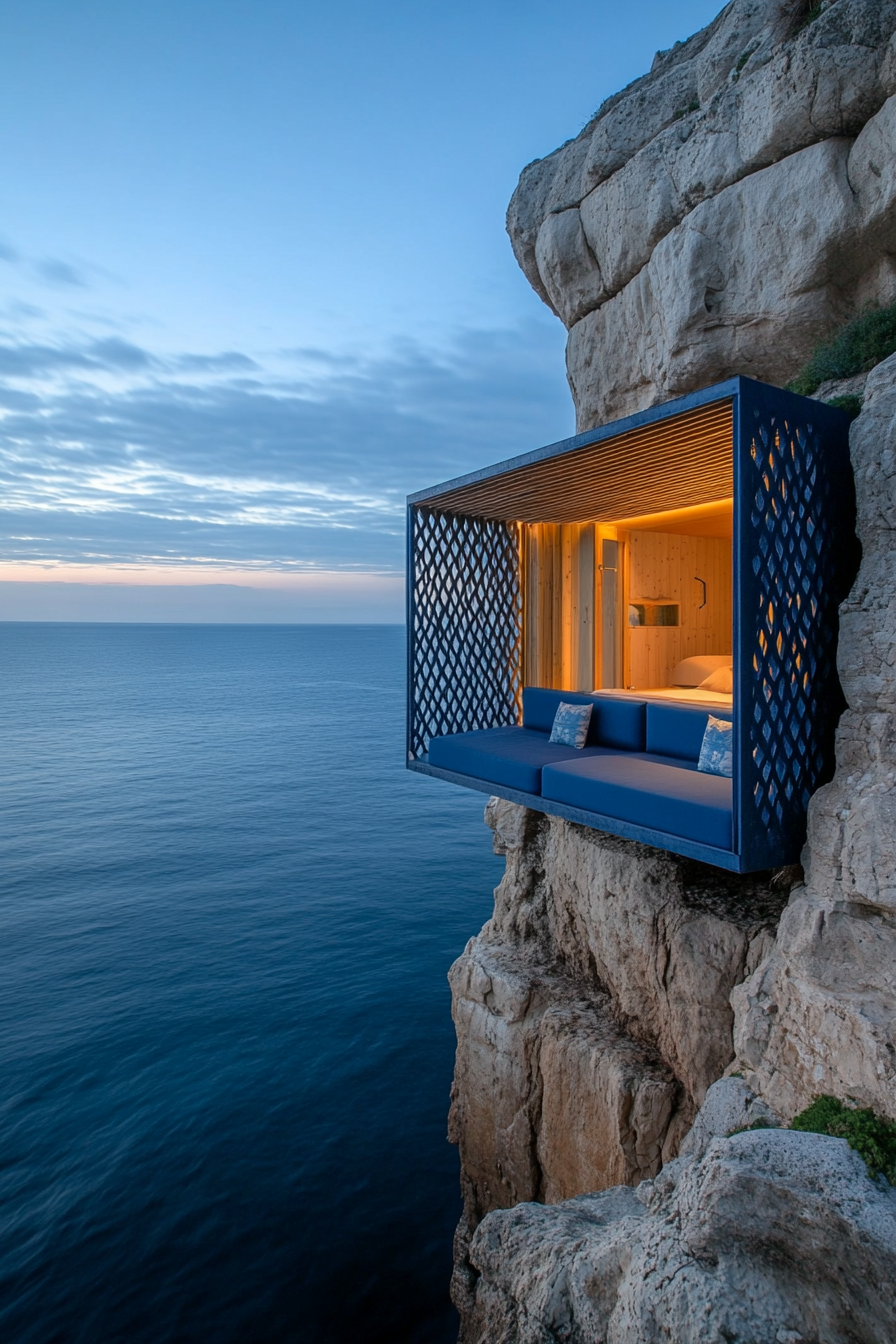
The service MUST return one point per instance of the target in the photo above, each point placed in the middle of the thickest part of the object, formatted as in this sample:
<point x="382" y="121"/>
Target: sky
<point x="255" y="286"/>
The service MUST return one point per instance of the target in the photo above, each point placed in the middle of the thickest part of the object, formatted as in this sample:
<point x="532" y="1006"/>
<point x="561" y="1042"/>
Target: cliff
<point x="592" y="1013"/>
<point x="724" y="212"/>
<point x="717" y="217"/>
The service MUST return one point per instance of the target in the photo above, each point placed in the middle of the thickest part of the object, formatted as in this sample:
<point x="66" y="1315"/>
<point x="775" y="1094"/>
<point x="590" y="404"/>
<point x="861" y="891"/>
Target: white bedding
<point x="681" y="694"/>
<point x="693" y="671"/>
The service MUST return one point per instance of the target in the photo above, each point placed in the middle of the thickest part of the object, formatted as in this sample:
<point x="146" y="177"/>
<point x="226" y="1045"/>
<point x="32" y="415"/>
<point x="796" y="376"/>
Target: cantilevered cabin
<point x="685" y="561"/>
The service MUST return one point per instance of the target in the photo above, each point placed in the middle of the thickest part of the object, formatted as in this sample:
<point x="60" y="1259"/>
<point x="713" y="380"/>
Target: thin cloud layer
<point x="55" y="272"/>
<point x="110" y="453"/>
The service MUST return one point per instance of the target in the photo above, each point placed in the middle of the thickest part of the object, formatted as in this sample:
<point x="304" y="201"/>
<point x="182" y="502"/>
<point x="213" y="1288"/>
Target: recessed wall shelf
<point x="654" y="613"/>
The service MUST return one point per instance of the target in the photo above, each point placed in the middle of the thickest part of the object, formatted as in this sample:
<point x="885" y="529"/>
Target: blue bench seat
<point x="512" y="756"/>
<point x="639" y="764"/>
<point x="663" y="793"/>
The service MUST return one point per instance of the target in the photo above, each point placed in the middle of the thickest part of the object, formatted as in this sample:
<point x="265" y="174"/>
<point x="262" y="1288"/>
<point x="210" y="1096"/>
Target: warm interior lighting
<point x="715" y="519"/>
<point x="638" y="558"/>
<point x="625" y="549"/>
<point x="622" y="603"/>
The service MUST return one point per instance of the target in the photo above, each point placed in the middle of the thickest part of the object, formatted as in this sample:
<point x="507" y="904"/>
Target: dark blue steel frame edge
<point x="752" y="840"/>
<point x="595" y="821"/>
<point x="410" y="612"/>
<point x="740" y="563"/>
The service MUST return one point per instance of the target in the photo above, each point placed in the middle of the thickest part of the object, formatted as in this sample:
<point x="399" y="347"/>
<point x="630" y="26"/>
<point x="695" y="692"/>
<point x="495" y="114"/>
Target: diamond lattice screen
<point x="795" y="696"/>
<point x="465" y="626"/>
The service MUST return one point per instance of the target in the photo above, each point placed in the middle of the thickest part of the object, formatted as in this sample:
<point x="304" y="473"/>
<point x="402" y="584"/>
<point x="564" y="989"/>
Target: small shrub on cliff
<point x="870" y="1135"/>
<point x="851" y="404"/>
<point x="810" y="12"/>
<point x="742" y="60"/>
<point x="856" y="348"/>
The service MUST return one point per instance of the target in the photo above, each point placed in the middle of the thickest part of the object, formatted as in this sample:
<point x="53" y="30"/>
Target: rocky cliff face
<point x="717" y="217"/>
<point x="592" y="1013"/>
<point x="724" y="212"/>
<point x="766" y="1238"/>
<point x="616" y="984"/>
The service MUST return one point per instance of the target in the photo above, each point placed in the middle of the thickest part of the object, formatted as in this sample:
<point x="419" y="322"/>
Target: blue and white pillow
<point x="571" y="724"/>
<point x="717" y="751"/>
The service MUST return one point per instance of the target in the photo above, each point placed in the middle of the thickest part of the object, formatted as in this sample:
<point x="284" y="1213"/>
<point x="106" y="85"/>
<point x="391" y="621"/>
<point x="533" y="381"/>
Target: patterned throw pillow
<point x="717" y="752"/>
<point x="571" y="725"/>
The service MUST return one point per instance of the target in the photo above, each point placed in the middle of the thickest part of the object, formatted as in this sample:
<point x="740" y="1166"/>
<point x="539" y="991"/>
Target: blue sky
<point x="256" y="286"/>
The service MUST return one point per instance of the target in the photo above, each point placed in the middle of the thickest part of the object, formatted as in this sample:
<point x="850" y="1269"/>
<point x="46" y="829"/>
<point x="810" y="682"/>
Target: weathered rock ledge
<point x="770" y="1237"/>
<point x="726" y="211"/>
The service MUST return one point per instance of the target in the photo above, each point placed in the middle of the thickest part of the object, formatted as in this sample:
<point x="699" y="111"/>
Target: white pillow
<point x="721" y="681"/>
<point x="691" y="671"/>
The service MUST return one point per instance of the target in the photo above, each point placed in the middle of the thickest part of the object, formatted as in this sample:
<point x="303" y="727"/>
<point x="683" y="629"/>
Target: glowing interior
<point x="622" y="604"/>
<point x="626" y="554"/>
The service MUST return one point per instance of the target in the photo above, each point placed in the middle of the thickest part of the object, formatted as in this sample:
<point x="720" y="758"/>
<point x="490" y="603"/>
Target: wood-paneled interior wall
<point x="559" y="620"/>
<point x="663" y="567"/>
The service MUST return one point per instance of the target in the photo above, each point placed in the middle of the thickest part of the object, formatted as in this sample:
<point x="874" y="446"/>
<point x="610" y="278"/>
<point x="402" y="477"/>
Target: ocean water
<point x="226" y="915"/>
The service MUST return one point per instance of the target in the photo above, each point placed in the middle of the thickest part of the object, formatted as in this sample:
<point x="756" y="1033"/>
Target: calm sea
<point x="227" y="913"/>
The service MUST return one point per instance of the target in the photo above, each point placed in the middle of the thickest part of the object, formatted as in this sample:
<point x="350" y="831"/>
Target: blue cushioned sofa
<point x="636" y="775"/>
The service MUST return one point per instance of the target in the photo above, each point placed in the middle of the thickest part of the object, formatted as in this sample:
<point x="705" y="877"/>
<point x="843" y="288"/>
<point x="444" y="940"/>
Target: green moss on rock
<point x="856" y="348"/>
<point x="870" y="1135"/>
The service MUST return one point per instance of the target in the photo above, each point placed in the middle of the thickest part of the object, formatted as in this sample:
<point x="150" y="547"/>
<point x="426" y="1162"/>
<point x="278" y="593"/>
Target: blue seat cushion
<point x="510" y="756"/>
<point x="615" y="723"/>
<point x="664" y="795"/>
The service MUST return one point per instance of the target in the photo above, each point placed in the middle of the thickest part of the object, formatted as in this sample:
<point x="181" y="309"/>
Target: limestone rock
<point x="592" y="1013"/>
<point x="730" y="1105"/>
<point x="748" y="283"/>
<point x="665" y="938"/>
<point x="537" y="1270"/>
<point x="773" y="1237"/>
<point x="629" y="120"/>
<point x="550" y="1098"/>
<point x="566" y="265"/>
<point x="723" y="212"/>
<point x="842" y="387"/>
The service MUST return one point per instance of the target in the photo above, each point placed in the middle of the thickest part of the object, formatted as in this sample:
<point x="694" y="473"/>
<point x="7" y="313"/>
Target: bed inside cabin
<point x="641" y="606"/>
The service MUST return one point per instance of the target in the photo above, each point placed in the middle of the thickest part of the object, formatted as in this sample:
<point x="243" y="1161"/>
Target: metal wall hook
<point x="703" y="582"/>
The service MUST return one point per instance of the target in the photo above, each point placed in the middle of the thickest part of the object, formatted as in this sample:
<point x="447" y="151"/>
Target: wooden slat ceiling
<point x="675" y="463"/>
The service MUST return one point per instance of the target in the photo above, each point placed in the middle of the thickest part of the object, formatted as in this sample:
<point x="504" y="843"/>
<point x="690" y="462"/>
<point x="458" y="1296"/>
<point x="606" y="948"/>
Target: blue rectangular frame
<point x="795" y="555"/>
